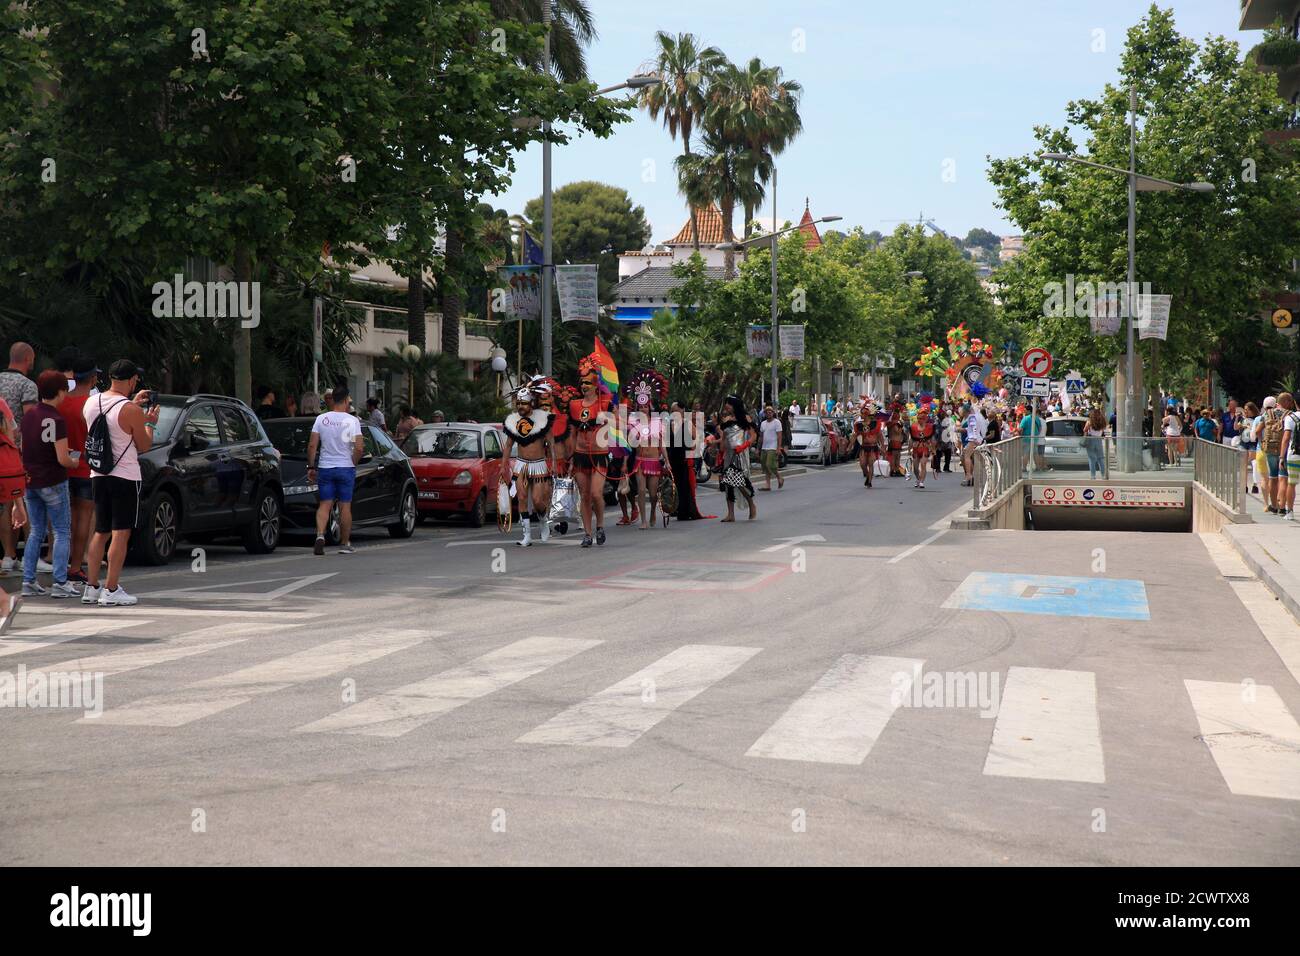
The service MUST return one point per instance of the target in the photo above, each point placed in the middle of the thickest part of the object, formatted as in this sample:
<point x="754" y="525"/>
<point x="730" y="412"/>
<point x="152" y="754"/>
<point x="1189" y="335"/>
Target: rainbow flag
<point x="609" y="382"/>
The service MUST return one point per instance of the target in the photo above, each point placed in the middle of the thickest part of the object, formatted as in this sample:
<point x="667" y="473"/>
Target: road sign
<point x="1121" y="496"/>
<point x="1282" y="319"/>
<point x="1075" y="385"/>
<point x="1035" y="387"/>
<point x="1037" y="362"/>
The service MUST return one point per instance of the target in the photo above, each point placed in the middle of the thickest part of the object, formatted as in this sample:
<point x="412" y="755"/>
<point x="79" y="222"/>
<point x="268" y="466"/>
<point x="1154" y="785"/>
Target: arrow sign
<point x="791" y="542"/>
<point x="1037" y="362"/>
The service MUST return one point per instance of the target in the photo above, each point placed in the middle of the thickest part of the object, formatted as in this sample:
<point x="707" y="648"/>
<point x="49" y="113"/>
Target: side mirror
<point x="366" y="459"/>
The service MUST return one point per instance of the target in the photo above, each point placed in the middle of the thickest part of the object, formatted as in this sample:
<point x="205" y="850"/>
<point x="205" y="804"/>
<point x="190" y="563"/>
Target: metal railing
<point x="1220" y="470"/>
<point x="997" y="468"/>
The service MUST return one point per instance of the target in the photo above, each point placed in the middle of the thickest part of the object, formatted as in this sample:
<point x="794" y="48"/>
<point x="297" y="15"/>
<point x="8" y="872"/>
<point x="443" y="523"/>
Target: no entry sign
<point x="1037" y="362"/>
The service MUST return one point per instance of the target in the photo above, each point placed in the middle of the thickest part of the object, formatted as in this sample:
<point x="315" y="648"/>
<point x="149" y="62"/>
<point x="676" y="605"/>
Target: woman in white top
<point x="1173" y="428"/>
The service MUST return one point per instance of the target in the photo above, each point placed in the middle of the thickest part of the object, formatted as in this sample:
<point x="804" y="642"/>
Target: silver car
<point x="808" y="440"/>
<point x="1062" y="442"/>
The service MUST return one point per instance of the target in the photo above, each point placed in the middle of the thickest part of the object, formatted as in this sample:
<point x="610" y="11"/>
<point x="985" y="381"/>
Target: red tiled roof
<point x="710" y="223"/>
<point x="811" y="237"/>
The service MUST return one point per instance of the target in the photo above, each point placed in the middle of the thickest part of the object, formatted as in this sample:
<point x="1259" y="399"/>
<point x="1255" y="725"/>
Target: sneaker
<point x="347" y="549"/>
<point x="78" y="578"/>
<point x="586" y="541"/>
<point x="13" y="602"/>
<point x="600" y="535"/>
<point x="920" y="485"/>
<point x="116" y="598"/>
<point x="34" y="589"/>
<point x="65" y="590"/>
<point x="1286" y="516"/>
<point x="320" y="546"/>
<point x="7" y="567"/>
<point x="44" y="567"/>
<point x="90" y="594"/>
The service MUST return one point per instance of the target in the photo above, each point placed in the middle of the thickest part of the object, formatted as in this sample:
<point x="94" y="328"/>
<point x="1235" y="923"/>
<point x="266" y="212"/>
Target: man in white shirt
<point x="770" y="450"/>
<point x="795" y="409"/>
<point x="333" y="452"/>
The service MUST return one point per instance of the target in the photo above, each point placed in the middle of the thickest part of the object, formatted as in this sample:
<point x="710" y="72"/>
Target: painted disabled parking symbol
<point x="1049" y="594"/>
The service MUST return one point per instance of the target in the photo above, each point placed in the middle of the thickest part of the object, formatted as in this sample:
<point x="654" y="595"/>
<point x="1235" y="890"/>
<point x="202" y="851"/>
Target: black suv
<point x="211" y="471"/>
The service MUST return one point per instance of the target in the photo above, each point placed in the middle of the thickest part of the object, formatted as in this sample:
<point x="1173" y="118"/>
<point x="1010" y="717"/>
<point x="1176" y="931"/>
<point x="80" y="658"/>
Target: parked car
<point x="212" y="471"/>
<point x="838" y="444"/>
<point x="456" y="466"/>
<point x="848" y="442"/>
<point x="809" y="440"/>
<point x="1063" y="442"/>
<point x="385" y="488"/>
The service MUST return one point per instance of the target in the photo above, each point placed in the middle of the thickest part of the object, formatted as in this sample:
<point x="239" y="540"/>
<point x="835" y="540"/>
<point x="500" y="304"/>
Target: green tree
<point x="592" y="223"/>
<point x="982" y="239"/>
<point x="1205" y="116"/>
<point x="723" y="173"/>
<point x="951" y="290"/>
<point x="686" y="70"/>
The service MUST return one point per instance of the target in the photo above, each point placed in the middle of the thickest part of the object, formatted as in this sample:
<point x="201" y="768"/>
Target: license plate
<point x="430" y="494"/>
<point x="1062" y="450"/>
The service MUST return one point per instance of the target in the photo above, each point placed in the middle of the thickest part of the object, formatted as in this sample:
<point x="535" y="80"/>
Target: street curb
<point x="1284" y="585"/>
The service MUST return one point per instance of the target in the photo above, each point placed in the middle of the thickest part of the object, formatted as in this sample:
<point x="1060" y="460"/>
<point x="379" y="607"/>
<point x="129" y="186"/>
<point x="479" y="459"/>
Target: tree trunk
<point x="452" y="305"/>
<point x="243" y="336"/>
<point x="727" y="205"/>
<point x="746" y="226"/>
<point x="695" y="225"/>
<point x="415" y="309"/>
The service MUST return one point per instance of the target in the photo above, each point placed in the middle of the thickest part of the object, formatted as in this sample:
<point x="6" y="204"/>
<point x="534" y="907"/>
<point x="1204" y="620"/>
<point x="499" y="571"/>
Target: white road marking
<point x="840" y="718"/>
<point x="504" y="542"/>
<point x="1272" y="618"/>
<point x="400" y="711"/>
<point x="1047" y="727"/>
<point x="217" y="592"/>
<point x="619" y="714"/>
<point x="917" y="547"/>
<point x="1255" y="743"/>
<point x="136" y="656"/>
<point x="211" y="696"/>
<point x="787" y="543"/>
<point x="137" y="611"/>
<point x="20" y="641"/>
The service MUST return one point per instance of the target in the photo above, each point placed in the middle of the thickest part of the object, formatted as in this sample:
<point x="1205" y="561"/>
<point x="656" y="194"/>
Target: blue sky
<point x="891" y="91"/>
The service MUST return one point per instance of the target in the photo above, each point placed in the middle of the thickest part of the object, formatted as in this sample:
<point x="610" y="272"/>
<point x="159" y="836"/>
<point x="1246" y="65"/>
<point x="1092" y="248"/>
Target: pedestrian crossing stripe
<point x="1047" y="726"/>
<point x="62" y="632"/>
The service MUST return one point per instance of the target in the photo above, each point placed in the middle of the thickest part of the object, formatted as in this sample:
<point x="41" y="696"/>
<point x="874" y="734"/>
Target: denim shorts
<point x="81" y="488"/>
<point x="1274" y="465"/>
<point x="336" y="483"/>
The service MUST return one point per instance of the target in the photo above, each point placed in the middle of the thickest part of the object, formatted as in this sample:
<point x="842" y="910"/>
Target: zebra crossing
<point x="1047" y="725"/>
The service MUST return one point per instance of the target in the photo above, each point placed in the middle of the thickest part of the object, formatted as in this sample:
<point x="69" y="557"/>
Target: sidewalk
<point x="1271" y="548"/>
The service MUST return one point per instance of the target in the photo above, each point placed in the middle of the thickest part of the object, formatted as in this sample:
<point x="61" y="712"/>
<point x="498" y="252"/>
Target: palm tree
<point x="572" y="28"/>
<point x="681" y="98"/>
<point x="725" y="174"/>
<point x="752" y="104"/>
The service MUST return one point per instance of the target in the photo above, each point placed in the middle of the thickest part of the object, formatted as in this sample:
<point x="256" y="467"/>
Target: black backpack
<point x="99" y="443"/>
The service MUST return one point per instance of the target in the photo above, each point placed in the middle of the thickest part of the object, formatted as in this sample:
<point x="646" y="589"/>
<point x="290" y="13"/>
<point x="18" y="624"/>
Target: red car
<point x="838" y="449"/>
<point x="456" y="466"/>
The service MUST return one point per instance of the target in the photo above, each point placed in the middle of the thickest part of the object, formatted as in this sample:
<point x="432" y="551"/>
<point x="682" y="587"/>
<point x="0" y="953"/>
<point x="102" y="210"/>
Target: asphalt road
<point x="704" y="694"/>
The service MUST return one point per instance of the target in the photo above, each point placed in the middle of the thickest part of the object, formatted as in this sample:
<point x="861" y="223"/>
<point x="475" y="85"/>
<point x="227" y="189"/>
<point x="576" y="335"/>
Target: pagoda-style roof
<point x="709" y="220"/>
<point x="811" y="237"/>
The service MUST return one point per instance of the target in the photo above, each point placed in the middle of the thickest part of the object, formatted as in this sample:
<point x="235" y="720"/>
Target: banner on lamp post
<point x="519" y="295"/>
<point x="791" y="338"/>
<point x="758" y="341"/>
<point x="1107" y="310"/>
<point x="1153" y="316"/>
<point x="578" y="290"/>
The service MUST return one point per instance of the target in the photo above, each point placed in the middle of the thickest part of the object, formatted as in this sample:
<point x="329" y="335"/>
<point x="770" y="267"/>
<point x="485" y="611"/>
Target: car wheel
<point x="262" y="534"/>
<point x="405" y="526"/>
<point x="334" y="526"/>
<point x="478" y="517"/>
<point x="154" y="542"/>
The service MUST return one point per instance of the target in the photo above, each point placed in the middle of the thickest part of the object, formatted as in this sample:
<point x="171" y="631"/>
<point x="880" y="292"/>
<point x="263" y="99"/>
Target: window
<point x="1064" y="428"/>
<point x="234" y="424"/>
<point x="384" y="443"/>
<point x="201" y="428"/>
<point x="492" y="447"/>
<point x="368" y="434"/>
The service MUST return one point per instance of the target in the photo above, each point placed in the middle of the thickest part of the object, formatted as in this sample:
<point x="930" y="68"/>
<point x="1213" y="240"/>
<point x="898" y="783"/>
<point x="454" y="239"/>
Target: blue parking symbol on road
<point x="1050" y="594"/>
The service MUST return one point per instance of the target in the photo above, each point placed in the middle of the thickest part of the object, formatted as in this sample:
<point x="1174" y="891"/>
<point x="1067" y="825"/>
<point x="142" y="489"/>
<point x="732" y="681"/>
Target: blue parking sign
<point x="1056" y="595"/>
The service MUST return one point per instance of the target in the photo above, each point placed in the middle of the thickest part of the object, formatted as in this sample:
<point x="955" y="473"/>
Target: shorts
<point x="117" y="503"/>
<point x="1293" y="472"/>
<point x="81" y="488"/>
<point x="336" y="484"/>
<point x="1274" y="465"/>
<point x="770" y="461"/>
<point x="651" y="467"/>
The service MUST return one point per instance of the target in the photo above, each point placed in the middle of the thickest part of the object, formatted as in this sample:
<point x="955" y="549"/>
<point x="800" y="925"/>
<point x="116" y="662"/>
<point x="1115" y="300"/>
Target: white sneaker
<point x="546" y="529"/>
<point x="117" y="598"/>
<point x="34" y="589"/>
<point x="90" y="595"/>
<point x="527" y="540"/>
<point x="7" y="567"/>
<point x="1289" y="516"/>
<point x="11" y="603"/>
<point x="65" y="590"/>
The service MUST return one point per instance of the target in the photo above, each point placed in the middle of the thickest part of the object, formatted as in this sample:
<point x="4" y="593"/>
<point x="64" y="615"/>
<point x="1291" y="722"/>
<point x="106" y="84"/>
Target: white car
<point x="1062" y="442"/>
<point x="808" y="440"/>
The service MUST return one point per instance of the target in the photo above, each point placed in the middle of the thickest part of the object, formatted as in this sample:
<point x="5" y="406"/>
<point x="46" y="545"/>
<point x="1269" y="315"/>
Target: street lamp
<point x="772" y="238"/>
<point x="637" y="82"/>
<point x="1131" y="426"/>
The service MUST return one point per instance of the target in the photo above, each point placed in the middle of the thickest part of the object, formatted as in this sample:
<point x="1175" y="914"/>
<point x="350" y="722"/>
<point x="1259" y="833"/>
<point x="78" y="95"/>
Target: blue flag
<point x="532" y="252"/>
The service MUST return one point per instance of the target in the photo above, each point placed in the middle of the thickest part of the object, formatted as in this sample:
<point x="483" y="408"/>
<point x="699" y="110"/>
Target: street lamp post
<point x="772" y="238"/>
<point x="1130" y="422"/>
<point x="548" y="267"/>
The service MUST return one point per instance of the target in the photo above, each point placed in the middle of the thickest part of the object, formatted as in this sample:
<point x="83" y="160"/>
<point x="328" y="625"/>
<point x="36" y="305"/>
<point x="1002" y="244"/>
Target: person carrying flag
<point x="590" y="419"/>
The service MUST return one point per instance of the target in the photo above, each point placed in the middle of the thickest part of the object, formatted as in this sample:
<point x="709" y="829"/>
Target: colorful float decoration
<point x="966" y="366"/>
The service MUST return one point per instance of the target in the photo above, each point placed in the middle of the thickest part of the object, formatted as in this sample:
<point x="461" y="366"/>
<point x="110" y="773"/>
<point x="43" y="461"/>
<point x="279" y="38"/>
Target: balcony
<point x="1258" y="14"/>
<point x="1277" y="53"/>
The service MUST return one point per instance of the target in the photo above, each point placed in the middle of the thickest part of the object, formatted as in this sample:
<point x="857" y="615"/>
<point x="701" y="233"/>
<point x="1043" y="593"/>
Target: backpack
<point x="1271" y="438"/>
<point x="99" y="442"/>
<point x="13" y="476"/>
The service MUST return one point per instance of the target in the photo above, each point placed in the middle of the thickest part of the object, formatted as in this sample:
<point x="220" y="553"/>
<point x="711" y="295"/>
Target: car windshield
<point x="442" y="443"/>
<point x="807" y="426"/>
<point x="1064" y="428"/>
<point x="168" y="416"/>
<point x="289" y="437"/>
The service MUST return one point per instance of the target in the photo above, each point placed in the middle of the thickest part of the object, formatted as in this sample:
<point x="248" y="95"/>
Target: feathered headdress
<point x="648" y="382"/>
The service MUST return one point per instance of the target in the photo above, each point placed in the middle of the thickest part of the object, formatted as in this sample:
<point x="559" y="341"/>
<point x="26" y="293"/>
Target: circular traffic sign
<point x="1109" y="494"/>
<point x="1282" y="319"/>
<point x="1049" y="493"/>
<point x="1088" y="494"/>
<point x="1069" y="494"/>
<point x="1037" y="362"/>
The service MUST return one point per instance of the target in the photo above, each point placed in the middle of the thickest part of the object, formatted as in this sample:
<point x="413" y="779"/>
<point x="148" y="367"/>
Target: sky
<point x="903" y="101"/>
